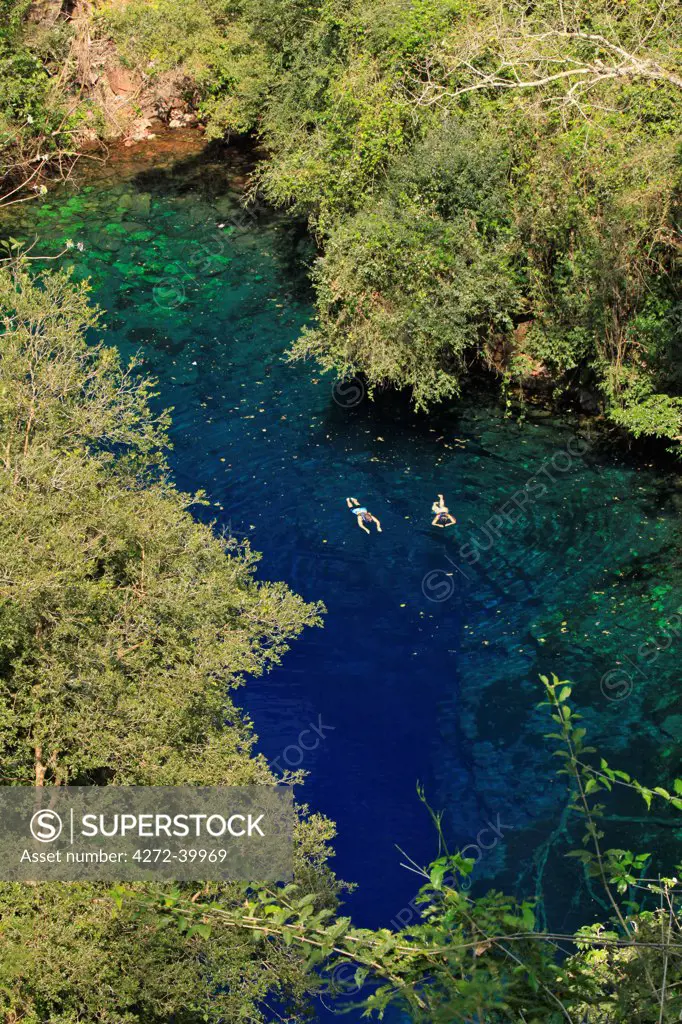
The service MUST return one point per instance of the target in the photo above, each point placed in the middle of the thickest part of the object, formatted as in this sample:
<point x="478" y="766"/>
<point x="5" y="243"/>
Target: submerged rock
<point x="137" y="204"/>
<point x="105" y="241"/>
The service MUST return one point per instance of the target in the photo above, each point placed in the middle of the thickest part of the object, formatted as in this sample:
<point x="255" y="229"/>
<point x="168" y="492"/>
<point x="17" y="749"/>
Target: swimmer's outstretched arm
<point x="362" y="525"/>
<point x="452" y="520"/>
<point x="378" y="524"/>
<point x="434" y="521"/>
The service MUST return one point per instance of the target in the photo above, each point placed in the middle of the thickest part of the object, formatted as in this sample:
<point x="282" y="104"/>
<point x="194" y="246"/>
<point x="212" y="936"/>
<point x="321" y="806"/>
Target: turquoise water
<point x="564" y="557"/>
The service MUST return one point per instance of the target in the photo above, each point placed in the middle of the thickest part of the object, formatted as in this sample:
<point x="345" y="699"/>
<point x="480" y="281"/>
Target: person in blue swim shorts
<point x="363" y="516"/>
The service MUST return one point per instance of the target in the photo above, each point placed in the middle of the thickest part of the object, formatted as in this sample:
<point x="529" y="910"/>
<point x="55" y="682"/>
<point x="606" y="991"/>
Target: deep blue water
<point x="426" y="668"/>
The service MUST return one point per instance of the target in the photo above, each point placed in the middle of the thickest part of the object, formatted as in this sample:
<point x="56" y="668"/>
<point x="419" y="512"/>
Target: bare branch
<point x="535" y="60"/>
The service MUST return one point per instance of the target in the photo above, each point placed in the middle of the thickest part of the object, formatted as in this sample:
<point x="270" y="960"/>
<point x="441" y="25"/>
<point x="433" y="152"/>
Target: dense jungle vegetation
<point x="124" y="626"/>
<point x="490" y="184"/>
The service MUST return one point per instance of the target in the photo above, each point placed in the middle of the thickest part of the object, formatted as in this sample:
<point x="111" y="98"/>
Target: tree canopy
<point x="560" y="274"/>
<point x="382" y="122"/>
<point x="124" y="627"/>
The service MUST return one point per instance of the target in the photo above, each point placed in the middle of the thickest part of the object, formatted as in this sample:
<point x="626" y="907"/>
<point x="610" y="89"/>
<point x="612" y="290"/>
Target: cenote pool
<point x="427" y="667"/>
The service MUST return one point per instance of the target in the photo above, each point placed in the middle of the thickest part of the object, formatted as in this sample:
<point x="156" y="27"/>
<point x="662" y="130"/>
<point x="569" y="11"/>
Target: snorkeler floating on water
<point x="442" y="516"/>
<point x="364" y="517"/>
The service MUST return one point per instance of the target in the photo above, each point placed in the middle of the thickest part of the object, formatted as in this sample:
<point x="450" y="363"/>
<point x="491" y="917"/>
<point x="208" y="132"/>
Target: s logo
<point x="46" y="826"/>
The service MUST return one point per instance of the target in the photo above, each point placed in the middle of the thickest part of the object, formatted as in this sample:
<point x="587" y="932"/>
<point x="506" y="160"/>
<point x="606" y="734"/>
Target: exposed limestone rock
<point x="122" y="82"/>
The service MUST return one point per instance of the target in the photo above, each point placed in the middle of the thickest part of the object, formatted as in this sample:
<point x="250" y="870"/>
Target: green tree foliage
<point x="124" y="623"/>
<point x="406" y="290"/>
<point x="379" y="116"/>
<point x="226" y="67"/>
<point x="24" y="83"/>
<point x="67" y="954"/>
<point x="43" y="113"/>
<point x="124" y="626"/>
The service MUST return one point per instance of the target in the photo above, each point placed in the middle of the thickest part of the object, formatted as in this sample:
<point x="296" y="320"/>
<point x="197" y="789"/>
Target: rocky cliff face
<point x="125" y="103"/>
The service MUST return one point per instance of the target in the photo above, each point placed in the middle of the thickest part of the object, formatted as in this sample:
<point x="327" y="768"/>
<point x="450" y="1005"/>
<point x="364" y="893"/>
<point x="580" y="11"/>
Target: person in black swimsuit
<point x="362" y="515"/>
<point x="442" y="516"/>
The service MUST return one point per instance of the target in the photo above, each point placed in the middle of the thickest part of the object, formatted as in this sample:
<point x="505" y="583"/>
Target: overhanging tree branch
<point x="527" y="61"/>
